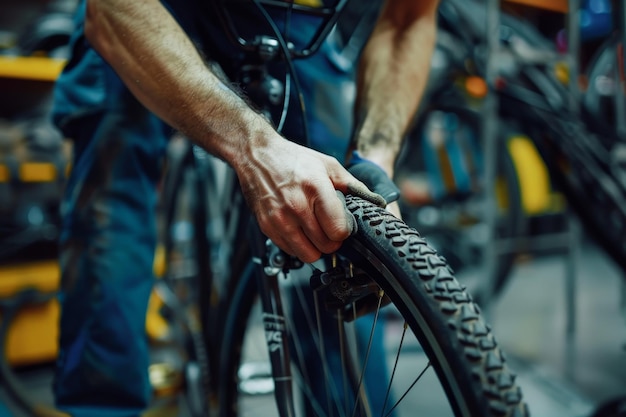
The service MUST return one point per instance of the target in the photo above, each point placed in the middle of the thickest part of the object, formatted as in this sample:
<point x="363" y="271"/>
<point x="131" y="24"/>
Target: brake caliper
<point x="347" y="289"/>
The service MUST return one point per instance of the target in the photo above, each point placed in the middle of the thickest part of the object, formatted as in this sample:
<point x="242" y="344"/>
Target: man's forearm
<point x="392" y="76"/>
<point x="163" y="69"/>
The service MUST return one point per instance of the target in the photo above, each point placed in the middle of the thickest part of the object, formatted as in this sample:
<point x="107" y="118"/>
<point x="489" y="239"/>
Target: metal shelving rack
<point x="567" y="242"/>
<point x="619" y="10"/>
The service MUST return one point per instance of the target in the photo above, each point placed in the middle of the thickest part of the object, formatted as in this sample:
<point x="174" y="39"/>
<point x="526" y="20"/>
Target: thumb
<point x="359" y="189"/>
<point x="349" y="216"/>
<point x="344" y="181"/>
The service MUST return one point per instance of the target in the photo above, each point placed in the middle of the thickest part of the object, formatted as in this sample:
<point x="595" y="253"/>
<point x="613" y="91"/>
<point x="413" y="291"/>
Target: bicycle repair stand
<point x="569" y="241"/>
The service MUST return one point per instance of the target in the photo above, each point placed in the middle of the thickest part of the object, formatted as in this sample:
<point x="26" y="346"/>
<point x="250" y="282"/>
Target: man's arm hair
<point x="162" y="67"/>
<point x="393" y="71"/>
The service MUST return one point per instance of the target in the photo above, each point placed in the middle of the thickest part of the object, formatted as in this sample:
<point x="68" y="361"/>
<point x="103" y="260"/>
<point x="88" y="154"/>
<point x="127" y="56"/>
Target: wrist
<point x="248" y="145"/>
<point x="384" y="160"/>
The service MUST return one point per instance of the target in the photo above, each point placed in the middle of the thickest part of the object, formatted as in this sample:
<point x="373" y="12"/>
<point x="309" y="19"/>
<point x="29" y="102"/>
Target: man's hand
<point x="292" y="192"/>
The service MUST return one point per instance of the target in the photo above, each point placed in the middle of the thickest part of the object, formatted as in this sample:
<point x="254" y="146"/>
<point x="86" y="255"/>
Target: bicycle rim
<point x="426" y="352"/>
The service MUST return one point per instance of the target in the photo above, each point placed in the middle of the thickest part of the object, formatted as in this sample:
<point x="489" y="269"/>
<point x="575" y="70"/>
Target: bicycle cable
<point x="291" y="71"/>
<point x="329" y="16"/>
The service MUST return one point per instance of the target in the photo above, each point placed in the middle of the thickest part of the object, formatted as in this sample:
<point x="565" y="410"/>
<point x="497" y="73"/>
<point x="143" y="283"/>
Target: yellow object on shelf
<point x="34" y="68"/>
<point x="33" y="335"/>
<point x="37" y="172"/>
<point x="537" y="194"/>
<point x="156" y="326"/>
<point x="4" y="173"/>
<point x="310" y="3"/>
<point x="42" y="275"/>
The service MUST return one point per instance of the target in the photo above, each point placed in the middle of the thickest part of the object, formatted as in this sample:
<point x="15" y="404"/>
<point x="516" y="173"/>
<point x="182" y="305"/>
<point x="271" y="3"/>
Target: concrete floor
<point x="529" y="320"/>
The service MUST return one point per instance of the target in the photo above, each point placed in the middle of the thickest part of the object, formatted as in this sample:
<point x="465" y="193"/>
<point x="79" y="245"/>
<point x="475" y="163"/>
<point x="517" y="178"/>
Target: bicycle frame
<point x="268" y="259"/>
<point x="269" y="262"/>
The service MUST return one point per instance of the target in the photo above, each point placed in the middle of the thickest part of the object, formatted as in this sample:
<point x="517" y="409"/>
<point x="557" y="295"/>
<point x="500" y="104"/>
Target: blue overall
<point x="109" y="232"/>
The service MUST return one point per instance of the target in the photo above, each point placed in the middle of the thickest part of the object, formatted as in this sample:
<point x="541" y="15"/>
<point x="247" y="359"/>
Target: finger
<point x="349" y="184"/>
<point x="351" y="220"/>
<point x="357" y="188"/>
<point x="297" y="231"/>
<point x="296" y="243"/>
<point x="314" y="231"/>
<point x="286" y="232"/>
<point x="331" y="215"/>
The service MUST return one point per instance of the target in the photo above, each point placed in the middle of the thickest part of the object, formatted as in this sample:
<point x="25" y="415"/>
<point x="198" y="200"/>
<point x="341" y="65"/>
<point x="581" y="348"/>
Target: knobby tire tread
<point x="446" y="306"/>
<point x="463" y="351"/>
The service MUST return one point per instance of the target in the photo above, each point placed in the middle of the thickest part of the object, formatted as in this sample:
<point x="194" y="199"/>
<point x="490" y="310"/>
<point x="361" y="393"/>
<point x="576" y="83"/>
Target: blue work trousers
<point x="107" y="249"/>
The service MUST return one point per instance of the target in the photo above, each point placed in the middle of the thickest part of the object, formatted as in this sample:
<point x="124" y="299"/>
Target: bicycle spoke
<point x="344" y="358"/>
<point x="367" y="352"/>
<point x="395" y="367"/>
<point x="337" y="332"/>
<point x="409" y="389"/>
<point x="322" y="350"/>
<point x="316" y="334"/>
<point x="305" y="387"/>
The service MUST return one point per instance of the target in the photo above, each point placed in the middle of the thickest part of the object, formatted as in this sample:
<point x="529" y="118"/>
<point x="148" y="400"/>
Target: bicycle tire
<point x="454" y="337"/>
<point x="455" y="238"/>
<point x="598" y="100"/>
<point x="186" y="282"/>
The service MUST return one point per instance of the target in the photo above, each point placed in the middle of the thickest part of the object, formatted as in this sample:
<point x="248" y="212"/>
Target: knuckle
<point x="331" y="247"/>
<point x="310" y="256"/>
<point x="339" y="232"/>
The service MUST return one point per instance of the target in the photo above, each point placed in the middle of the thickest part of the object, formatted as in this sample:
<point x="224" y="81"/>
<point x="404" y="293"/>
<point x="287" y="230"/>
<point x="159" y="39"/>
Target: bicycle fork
<point x="358" y="292"/>
<point x="274" y="323"/>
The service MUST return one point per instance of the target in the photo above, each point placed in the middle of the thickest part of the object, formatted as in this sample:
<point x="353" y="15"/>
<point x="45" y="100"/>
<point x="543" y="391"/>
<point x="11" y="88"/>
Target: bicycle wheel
<point x="427" y="350"/>
<point x="182" y="356"/>
<point x="446" y="143"/>
<point x="599" y="99"/>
